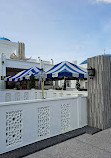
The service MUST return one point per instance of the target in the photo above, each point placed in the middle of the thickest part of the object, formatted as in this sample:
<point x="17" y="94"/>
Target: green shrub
<point x="32" y="81"/>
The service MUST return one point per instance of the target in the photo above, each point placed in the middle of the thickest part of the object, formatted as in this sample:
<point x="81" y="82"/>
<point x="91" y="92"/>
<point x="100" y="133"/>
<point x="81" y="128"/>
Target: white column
<point x="2" y="70"/>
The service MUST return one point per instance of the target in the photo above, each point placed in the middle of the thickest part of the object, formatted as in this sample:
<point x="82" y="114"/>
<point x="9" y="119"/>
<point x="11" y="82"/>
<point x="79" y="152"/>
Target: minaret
<point x="21" y="50"/>
<point x="104" y="52"/>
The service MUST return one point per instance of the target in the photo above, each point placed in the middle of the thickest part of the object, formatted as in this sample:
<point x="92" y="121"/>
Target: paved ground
<point x="84" y="146"/>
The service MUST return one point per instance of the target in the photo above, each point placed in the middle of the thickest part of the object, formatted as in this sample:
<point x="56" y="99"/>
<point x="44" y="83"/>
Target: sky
<point x="58" y="29"/>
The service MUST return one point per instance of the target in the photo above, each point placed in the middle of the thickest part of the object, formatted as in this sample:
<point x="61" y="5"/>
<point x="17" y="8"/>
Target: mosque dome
<point x="3" y="38"/>
<point x="85" y="61"/>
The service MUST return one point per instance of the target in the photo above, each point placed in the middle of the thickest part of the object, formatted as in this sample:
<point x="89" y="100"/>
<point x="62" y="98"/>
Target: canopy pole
<point x="42" y="88"/>
<point x="42" y="83"/>
<point x="64" y="88"/>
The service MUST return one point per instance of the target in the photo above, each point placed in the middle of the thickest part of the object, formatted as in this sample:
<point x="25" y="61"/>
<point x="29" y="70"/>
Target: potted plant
<point x="32" y="81"/>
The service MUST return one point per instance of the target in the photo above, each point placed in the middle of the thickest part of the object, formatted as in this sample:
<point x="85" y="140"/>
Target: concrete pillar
<point x="22" y="56"/>
<point x="21" y="50"/>
<point x="2" y="71"/>
<point x="99" y="93"/>
<point x="18" y="50"/>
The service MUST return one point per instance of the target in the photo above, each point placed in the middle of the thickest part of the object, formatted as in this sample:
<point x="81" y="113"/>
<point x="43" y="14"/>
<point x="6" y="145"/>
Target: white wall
<point x="17" y="95"/>
<point x="26" y="122"/>
<point x="12" y="63"/>
<point x="83" y="84"/>
<point x="8" y="48"/>
<point x="73" y="83"/>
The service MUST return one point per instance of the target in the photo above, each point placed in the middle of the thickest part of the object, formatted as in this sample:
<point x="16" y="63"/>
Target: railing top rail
<point x="37" y="100"/>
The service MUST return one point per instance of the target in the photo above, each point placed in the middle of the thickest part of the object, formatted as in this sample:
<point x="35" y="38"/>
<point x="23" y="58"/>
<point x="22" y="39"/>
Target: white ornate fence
<point x="17" y="95"/>
<point x="26" y="122"/>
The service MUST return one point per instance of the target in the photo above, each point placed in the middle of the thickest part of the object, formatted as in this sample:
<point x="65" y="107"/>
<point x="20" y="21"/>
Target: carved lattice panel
<point x="54" y="95"/>
<point x="26" y="95"/>
<point x="43" y="121"/>
<point x="17" y="96"/>
<point x="8" y="97"/>
<point x="61" y="94"/>
<point x="14" y="127"/>
<point x="35" y="95"/>
<point x="65" y="117"/>
<point x="40" y="93"/>
<point x="45" y="94"/>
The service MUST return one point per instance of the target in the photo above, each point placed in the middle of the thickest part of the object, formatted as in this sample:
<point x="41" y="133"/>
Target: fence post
<point x="79" y="109"/>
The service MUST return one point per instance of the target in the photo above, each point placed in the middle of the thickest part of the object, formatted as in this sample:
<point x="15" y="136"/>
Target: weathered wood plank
<point x="99" y="93"/>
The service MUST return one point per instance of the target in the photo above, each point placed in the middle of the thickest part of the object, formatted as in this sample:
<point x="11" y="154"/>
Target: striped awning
<point x="67" y="69"/>
<point x="24" y="74"/>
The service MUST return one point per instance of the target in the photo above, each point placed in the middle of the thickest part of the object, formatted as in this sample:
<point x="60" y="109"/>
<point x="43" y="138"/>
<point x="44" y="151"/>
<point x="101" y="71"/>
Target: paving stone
<point x="84" y="146"/>
<point x="68" y="145"/>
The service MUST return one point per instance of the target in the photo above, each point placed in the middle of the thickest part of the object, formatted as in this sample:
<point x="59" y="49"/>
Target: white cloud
<point x="77" y="47"/>
<point x="106" y="1"/>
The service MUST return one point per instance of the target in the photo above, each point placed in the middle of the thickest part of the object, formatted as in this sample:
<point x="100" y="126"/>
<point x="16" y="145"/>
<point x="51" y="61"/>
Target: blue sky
<point x="58" y="29"/>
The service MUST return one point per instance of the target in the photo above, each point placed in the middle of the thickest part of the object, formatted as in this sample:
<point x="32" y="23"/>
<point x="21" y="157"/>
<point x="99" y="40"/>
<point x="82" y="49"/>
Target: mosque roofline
<point x="4" y="38"/>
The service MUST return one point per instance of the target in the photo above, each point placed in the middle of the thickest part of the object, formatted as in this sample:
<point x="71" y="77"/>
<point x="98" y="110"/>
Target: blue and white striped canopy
<point x="24" y="74"/>
<point x="67" y="69"/>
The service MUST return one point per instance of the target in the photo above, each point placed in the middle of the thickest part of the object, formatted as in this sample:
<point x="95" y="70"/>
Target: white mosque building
<point x="13" y="59"/>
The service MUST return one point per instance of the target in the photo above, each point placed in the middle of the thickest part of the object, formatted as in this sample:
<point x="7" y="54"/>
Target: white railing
<point x="26" y="122"/>
<point x="17" y="95"/>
